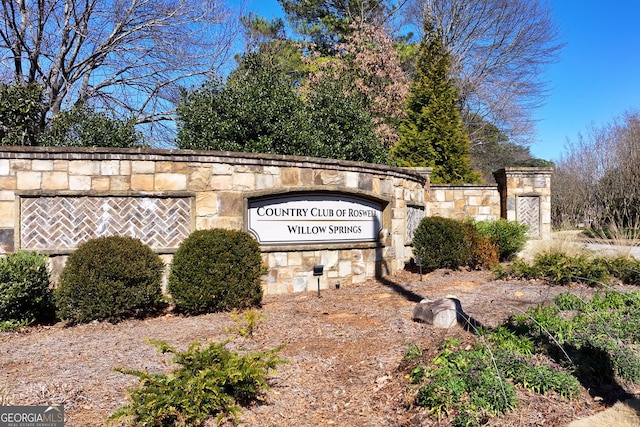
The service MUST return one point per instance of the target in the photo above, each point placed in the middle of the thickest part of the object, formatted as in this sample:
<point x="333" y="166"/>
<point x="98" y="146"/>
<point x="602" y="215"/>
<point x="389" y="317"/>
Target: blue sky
<point x="595" y="80"/>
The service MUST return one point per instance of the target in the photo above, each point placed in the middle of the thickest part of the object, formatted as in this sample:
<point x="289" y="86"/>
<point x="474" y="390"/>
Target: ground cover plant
<point x="211" y="381"/>
<point x="469" y="384"/>
<point x="554" y="347"/>
<point x="559" y="268"/>
<point x="597" y="338"/>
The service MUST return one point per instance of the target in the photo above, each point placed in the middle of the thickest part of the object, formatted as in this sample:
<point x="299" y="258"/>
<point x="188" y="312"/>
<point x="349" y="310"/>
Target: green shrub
<point x="506" y="340"/>
<point x="562" y="269"/>
<point x="441" y="243"/>
<point x="626" y="269"/>
<point x="464" y="382"/>
<point x="25" y="295"/>
<point x="110" y="278"/>
<point x="568" y="301"/>
<point x="211" y="381"/>
<point x="483" y="254"/>
<point x="509" y="236"/>
<point x="216" y="270"/>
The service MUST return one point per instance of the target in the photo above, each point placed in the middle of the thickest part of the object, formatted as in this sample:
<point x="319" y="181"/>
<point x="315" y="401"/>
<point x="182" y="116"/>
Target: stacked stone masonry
<point x="53" y="199"/>
<point x="464" y="201"/>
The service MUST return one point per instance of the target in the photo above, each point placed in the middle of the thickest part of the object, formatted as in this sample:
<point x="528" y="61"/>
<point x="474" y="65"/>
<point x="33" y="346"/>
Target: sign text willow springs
<point x="314" y="218"/>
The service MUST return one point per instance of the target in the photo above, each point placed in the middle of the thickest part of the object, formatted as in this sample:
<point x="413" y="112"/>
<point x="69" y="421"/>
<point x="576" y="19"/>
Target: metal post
<point x="317" y="271"/>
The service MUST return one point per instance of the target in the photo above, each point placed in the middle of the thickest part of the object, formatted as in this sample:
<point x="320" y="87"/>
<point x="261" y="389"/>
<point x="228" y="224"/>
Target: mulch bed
<point x="344" y="349"/>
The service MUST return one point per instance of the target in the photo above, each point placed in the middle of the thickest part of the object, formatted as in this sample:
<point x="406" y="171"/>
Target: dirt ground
<point x="345" y="351"/>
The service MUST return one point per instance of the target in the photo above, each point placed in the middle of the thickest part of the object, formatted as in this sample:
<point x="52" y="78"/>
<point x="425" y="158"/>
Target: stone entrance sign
<point x="309" y="218"/>
<point x="356" y="219"/>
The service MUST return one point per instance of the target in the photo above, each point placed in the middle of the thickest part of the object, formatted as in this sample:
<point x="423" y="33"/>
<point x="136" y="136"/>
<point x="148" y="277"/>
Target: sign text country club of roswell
<point x="314" y="218"/>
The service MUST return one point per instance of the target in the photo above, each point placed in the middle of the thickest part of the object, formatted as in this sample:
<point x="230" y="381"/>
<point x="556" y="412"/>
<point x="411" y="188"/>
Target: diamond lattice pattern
<point x="58" y="223"/>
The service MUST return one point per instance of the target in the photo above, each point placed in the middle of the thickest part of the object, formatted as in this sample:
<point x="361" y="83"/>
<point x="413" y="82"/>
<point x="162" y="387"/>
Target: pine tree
<point x="433" y="134"/>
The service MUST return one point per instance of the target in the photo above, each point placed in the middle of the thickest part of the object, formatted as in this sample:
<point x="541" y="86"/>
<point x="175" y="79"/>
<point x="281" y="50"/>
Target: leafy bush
<point x="257" y="109"/>
<point x="509" y="236"/>
<point x="569" y="301"/>
<point x="627" y="269"/>
<point x="110" y="278"/>
<point x="441" y="243"/>
<point x="82" y="126"/>
<point x="216" y="270"/>
<point x="561" y="269"/>
<point x="506" y="340"/>
<point x="20" y="108"/>
<point x="463" y="382"/>
<point x="211" y="381"/>
<point x="483" y="254"/>
<point x="25" y="295"/>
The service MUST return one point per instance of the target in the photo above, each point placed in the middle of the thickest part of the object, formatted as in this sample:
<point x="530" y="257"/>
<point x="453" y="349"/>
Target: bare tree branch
<point x="132" y="55"/>
<point x="597" y="181"/>
<point x="500" y="49"/>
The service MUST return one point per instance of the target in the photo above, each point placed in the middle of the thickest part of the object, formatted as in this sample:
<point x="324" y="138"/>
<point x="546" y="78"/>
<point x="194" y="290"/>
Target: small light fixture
<point x="318" y="269"/>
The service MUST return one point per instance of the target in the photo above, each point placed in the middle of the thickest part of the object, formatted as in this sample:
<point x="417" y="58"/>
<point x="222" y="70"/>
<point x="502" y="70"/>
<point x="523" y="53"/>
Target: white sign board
<point x="314" y="218"/>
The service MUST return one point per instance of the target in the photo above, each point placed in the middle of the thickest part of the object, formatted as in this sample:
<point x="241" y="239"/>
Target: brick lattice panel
<point x="58" y="223"/>
<point x="529" y="213"/>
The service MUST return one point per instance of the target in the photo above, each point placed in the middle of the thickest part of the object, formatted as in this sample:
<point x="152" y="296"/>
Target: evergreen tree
<point x="256" y="110"/>
<point x="21" y="107"/>
<point x="260" y="109"/>
<point x="433" y="134"/>
<point x="82" y="126"/>
<point x="344" y="127"/>
<point x="327" y="22"/>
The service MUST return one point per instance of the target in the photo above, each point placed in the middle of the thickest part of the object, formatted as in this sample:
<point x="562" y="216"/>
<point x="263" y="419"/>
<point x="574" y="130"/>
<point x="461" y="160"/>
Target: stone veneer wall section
<point x="218" y="185"/>
<point x="480" y="202"/>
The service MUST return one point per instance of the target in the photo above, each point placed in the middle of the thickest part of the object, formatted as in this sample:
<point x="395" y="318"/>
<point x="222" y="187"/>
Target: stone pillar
<point x="525" y="196"/>
<point x="414" y="214"/>
<point x="424" y="172"/>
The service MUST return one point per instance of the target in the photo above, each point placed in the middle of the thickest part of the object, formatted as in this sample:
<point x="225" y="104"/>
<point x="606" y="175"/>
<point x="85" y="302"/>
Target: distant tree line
<point x="597" y="181"/>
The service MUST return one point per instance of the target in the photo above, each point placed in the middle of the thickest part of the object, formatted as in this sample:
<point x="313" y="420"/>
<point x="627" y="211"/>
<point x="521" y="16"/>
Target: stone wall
<point x="53" y="199"/>
<point x="521" y="194"/>
<point x="480" y="202"/>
